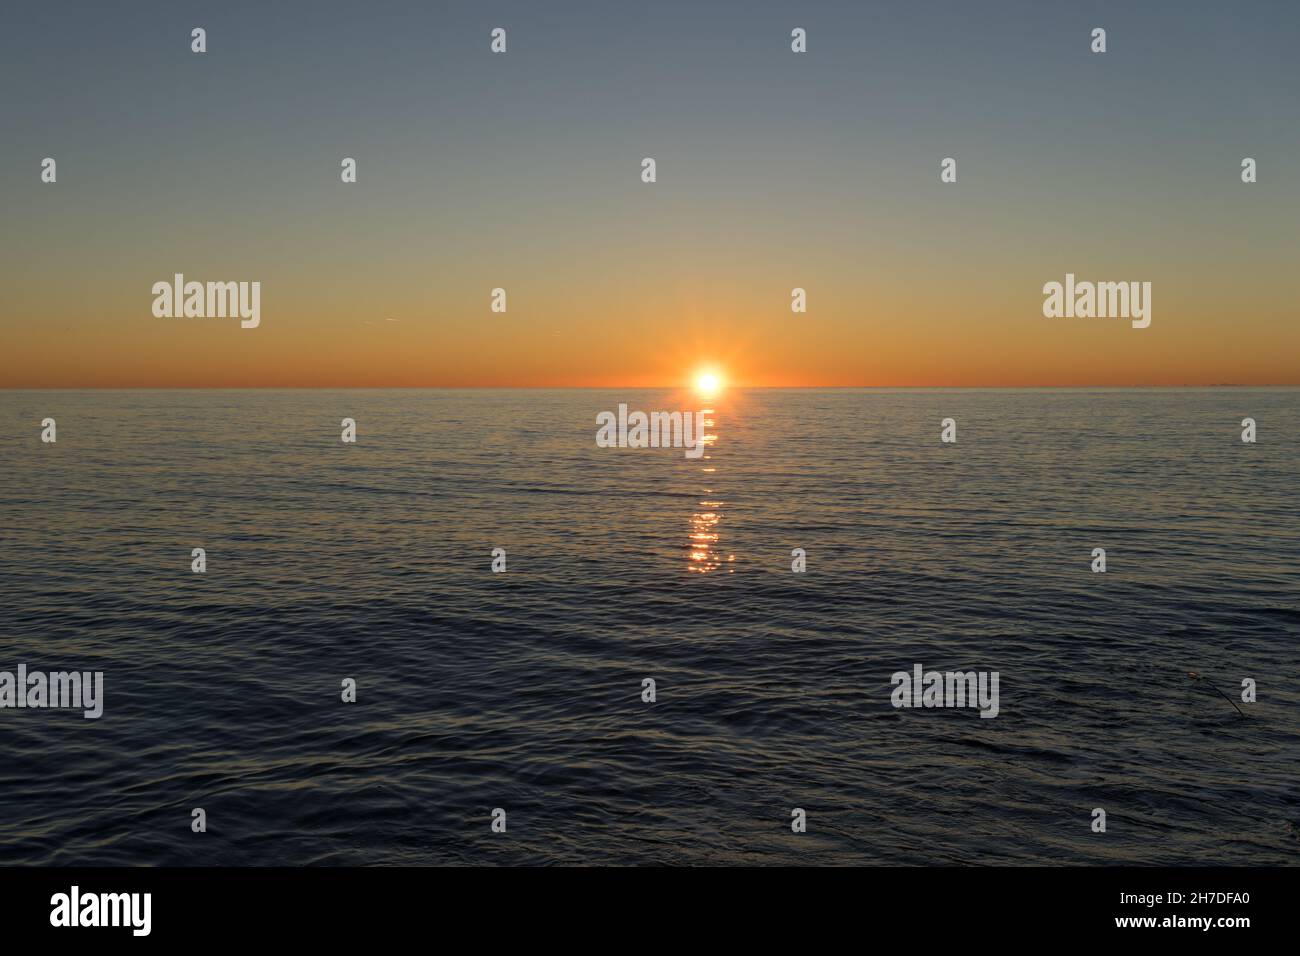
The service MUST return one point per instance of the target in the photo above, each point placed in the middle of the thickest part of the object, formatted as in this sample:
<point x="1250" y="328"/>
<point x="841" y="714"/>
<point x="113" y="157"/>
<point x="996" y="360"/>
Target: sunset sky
<point x="522" y="171"/>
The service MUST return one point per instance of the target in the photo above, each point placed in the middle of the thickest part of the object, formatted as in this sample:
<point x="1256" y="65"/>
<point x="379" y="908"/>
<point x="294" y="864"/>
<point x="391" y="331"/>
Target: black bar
<point x="622" y="905"/>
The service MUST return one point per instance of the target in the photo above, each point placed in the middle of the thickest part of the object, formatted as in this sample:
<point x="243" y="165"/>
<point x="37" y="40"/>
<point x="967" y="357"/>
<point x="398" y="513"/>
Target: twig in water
<point x="1195" y="676"/>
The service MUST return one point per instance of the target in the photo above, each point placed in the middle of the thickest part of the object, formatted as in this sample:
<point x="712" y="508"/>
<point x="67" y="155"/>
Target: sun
<point x="708" y="382"/>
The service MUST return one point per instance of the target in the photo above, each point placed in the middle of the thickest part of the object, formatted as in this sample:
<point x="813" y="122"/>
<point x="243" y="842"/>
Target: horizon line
<point x="562" y="388"/>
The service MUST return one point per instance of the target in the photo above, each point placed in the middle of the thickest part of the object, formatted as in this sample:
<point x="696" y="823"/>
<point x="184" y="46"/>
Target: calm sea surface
<point x="522" y="690"/>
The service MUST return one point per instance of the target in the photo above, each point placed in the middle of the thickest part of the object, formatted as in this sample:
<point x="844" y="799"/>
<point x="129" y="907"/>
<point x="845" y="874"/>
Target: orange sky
<point x="971" y="329"/>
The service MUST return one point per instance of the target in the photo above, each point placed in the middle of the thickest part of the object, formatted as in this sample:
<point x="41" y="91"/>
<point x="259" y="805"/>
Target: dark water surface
<point x="522" y="690"/>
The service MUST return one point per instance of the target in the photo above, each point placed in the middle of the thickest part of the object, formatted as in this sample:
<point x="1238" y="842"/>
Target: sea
<point x="523" y="695"/>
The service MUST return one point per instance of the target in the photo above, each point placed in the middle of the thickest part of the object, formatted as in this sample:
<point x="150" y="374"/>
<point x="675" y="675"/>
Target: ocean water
<point x="522" y="690"/>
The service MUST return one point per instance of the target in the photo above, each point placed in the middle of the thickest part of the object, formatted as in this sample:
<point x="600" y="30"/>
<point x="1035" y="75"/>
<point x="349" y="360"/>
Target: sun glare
<point x="708" y="382"/>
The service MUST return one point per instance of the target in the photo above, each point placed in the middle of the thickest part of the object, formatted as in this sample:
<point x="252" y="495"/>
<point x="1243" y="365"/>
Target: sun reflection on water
<point x="703" y="540"/>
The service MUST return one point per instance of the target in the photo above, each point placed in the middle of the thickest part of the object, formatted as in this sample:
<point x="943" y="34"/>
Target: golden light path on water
<point x="704" y="551"/>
